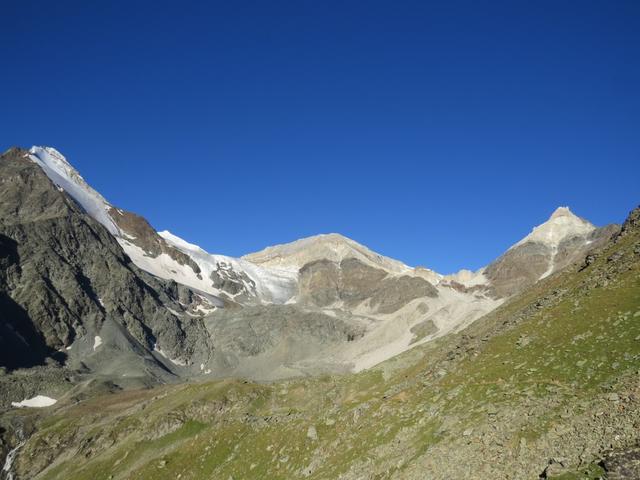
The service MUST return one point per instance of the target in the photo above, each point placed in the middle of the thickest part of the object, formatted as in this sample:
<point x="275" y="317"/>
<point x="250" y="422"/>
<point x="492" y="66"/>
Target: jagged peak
<point x="562" y="212"/>
<point x="562" y="223"/>
<point x="15" y="150"/>
<point x="62" y="174"/>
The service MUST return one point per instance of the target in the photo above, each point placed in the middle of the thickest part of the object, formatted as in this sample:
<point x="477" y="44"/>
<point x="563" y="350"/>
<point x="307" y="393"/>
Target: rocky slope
<point x="550" y="247"/>
<point x="544" y="386"/>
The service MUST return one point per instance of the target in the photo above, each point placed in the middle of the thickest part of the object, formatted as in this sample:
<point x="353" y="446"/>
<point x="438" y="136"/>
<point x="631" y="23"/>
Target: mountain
<point x="332" y="247"/>
<point x="557" y="243"/>
<point x="550" y="247"/>
<point x="166" y="255"/>
<point x="369" y="368"/>
<point x="544" y="386"/>
<point x="71" y="298"/>
<point x="320" y="304"/>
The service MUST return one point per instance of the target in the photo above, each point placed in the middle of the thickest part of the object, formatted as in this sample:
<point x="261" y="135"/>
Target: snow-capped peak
<point x="562" y="224"/>
<point x="58" y="169"/>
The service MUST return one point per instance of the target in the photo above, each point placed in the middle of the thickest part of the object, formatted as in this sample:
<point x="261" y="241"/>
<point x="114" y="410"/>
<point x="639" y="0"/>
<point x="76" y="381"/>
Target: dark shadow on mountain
<point x="21" y="345"/>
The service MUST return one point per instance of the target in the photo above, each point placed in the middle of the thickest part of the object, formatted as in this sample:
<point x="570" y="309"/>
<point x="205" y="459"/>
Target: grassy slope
<point x="495" y="397"/>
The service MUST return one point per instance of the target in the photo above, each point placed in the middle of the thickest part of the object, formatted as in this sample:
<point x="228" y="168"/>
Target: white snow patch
<point x="97" y="341"/>
<point x="39" y="401"/>
<point x="174" y="312"/>
<point x="202" y="369"/>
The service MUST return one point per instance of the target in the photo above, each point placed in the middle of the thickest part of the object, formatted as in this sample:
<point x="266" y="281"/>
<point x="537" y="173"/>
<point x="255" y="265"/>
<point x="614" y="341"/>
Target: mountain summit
<point x="550" y="247"/>
<point x="331" y="246"/>
<point x="562" y="224"/>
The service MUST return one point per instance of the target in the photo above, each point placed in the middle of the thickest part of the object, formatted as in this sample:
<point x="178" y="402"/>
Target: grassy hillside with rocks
<point x="547" y="385"/>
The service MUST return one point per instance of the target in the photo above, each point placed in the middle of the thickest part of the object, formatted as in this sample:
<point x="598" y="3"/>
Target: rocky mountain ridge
<point x="382" y="306"/>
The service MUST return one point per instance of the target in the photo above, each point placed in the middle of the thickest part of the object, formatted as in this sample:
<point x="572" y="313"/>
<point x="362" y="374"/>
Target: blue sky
<point x="438" y="133"/>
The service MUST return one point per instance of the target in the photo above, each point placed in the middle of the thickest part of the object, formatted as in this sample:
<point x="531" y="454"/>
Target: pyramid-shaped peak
<point x="562" y="224"/>
<point x="562" y="212"/>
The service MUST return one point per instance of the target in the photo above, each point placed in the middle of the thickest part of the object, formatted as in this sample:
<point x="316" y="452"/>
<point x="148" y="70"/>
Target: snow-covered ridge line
<point x="58" y="169"/>
<point x="271" y="285"/>
<point x="39" y="401"/>
<point x="270" y="275"/>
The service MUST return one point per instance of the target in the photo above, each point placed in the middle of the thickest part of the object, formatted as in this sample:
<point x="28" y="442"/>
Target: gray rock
<point x="312" y="433"/>
<point x="323" y="283"/>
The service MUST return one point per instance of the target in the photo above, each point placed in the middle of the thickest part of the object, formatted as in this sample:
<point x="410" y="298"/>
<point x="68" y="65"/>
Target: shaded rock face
<point x="632" y="223"/>
<point x="21" y="343"/>
<point x="623" y="464"/>
<point x="277" y="341"/>
<point x="255" y="330"/>
<point x="64" y="280"/>
<point x="324" y="283"/>
<point x="235" y="283"/>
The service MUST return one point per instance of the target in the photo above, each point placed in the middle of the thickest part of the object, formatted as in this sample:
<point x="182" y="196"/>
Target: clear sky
<point x="438" y="133"/>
